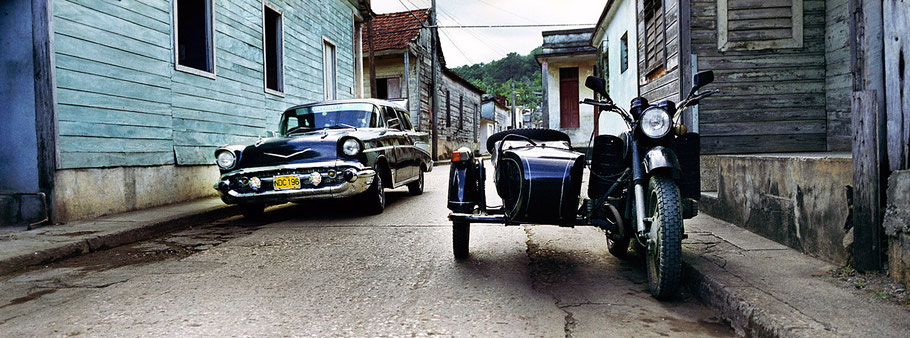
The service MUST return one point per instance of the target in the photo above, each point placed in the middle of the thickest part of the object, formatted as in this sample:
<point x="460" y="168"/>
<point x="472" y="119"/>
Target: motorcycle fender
<point x="463" y="184"/>
<point x="661" y="157"/>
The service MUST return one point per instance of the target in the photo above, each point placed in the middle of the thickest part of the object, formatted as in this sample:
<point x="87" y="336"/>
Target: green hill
<point x="496" y="77"/>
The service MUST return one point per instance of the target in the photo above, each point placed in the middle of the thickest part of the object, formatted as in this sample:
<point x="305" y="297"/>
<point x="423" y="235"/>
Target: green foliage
<point x="498" y="76"/>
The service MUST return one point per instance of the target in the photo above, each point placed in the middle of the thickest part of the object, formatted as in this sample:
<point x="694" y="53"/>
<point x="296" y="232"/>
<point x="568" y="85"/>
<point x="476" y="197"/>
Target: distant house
<point x="566" y="60"/>
<point x="119" y="105"/>
<point x="403" y="65"/>
<point x="494" y="118"/>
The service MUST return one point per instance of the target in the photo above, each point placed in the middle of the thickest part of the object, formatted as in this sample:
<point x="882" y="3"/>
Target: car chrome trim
<point x="344" y="189"/>
<point x="290" y="155"/>
<point x="322" y="164"/>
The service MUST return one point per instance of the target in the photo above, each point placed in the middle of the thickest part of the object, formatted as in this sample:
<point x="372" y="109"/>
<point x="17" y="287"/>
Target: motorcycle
<point x="641" y="183"/>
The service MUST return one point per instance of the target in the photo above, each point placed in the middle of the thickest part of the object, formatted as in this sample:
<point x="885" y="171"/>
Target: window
<point x="329" y="70"/>
<point x="405" y="120"/>
<point x="388" y="88"/>
<point x="460" y="112"/>
<point x="273" y="48"/>
<point x="756" y="25"/>
<point x="568" y="97"/>
<point x="655" y="31"/>
<point x="194" y="38"/>
<point x="448" y="109"/>
<point x="624" y="52"/>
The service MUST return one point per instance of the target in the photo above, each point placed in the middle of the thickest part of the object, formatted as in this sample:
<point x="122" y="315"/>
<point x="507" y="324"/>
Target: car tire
<point x="252" y="210"/>
<point x="534" y="134"/>
<point x="374" y="197"/>
<point x="416" y="187"/>
<point x="461" y="233"/>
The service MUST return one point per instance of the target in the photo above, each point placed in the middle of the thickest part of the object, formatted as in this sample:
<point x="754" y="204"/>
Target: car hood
<point x="310" y="147"/>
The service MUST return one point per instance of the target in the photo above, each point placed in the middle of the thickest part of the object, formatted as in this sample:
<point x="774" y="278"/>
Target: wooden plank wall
<point x="462" y="101"/>
<point x="897" y="82"/>
<point x="122" y="103"/>
<point x="665" y="86"/>
<point x="838" y="77"/>
<point x="771" y="100"/>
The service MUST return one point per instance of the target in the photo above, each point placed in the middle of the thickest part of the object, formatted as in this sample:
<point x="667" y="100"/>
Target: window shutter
<point x="655" y="35"/>
<point x="759" y="24"/>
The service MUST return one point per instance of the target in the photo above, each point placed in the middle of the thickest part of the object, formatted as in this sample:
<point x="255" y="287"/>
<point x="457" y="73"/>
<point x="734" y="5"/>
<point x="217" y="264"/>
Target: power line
<point x="504" y="10"/>
<point x="412" y="13"/>
<point x="456" y="47"/>
<point x="518" y="26"/>
<point x="482" y="40"/>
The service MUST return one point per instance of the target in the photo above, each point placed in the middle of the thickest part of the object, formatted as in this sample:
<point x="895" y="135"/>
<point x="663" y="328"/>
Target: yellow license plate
<point x="287" y="182"/>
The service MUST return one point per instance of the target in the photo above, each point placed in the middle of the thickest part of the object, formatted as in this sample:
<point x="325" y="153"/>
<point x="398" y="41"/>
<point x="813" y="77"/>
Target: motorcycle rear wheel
<point x="617" y="242"/>
<point x="664" y="251"/>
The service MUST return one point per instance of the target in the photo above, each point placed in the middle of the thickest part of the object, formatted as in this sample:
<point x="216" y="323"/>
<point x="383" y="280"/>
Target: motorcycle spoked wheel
<point x="617" y="242"/>
<point x="664" y="245"/>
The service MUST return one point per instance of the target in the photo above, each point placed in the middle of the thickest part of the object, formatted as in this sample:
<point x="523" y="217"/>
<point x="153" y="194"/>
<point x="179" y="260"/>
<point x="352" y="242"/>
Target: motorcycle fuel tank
<point x="540" y="184"/>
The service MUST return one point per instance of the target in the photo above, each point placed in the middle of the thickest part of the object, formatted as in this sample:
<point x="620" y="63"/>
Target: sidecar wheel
<point x="461" y="232"/>
<point x="665" y="241"/>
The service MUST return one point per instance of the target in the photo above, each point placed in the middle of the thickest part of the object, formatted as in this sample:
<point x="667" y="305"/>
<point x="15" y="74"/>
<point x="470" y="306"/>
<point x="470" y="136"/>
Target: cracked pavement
<point x="320" y="269"/>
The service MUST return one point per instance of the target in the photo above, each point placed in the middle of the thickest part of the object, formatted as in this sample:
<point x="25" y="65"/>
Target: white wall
<point x="582" y="134"/>
<point x="623" y="85"/>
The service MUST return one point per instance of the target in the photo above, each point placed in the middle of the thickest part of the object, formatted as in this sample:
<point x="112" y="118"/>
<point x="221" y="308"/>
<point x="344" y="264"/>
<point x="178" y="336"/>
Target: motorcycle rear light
<point x="458" y="156"/>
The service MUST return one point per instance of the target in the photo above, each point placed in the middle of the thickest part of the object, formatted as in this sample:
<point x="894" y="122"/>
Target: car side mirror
<point x="598" y="85"/>
<point x="700" y="80"/>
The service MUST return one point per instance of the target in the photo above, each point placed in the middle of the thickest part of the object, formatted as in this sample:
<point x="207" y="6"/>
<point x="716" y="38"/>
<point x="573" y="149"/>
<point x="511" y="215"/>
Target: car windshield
<point x="344" y="115"/>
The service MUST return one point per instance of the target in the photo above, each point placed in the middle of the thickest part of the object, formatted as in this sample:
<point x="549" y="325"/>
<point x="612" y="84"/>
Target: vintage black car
<point x="323" y="150"/>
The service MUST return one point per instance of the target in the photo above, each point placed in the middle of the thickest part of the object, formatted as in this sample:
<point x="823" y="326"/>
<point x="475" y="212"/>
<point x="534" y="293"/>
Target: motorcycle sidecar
<point x="537" y="175"/>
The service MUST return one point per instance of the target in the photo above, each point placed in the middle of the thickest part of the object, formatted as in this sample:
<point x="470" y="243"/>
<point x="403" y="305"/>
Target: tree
<point x="498" y="76"/>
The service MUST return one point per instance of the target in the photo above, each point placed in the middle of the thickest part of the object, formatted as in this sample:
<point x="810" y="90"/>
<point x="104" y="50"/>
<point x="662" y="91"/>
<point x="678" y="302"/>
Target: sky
<point x="476" y="45"/>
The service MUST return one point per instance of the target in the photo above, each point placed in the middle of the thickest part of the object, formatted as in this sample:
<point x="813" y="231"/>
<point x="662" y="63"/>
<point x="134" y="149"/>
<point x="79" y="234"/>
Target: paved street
<point x="325" y="269"/>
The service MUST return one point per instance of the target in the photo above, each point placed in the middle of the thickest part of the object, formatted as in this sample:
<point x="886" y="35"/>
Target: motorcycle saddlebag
<point x="540" y="184"/>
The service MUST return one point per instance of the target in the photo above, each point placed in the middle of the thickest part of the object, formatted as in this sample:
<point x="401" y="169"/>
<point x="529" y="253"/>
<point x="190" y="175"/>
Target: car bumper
<point x="361" y="179"/>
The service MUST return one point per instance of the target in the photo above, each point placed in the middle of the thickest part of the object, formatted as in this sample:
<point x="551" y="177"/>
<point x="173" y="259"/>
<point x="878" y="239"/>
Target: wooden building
<point x="402" y="52"/>
<point x="782" y="67"/>
<point x="123" y="103"/>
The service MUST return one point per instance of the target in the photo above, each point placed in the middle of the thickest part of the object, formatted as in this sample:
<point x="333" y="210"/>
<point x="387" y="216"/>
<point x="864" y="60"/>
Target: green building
<point x="119" y="105"/>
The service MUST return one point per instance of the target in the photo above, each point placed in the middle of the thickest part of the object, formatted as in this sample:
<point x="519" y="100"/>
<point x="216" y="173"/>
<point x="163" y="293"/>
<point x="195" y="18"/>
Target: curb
<point x="118" y="238"/>
<point x="723" y="292"/>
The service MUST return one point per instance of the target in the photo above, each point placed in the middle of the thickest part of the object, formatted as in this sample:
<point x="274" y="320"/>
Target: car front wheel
<point x="374" y="197"/>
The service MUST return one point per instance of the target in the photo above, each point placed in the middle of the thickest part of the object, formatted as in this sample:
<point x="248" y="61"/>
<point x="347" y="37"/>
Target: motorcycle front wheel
<point x="664" y="247"/>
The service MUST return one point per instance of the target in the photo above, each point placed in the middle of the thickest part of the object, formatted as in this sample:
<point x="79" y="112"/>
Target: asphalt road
<point x="324" y="269"/>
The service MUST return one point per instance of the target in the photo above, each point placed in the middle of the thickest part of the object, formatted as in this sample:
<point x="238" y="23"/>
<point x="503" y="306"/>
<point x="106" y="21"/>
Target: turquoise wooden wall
<point x="122" y="103"/>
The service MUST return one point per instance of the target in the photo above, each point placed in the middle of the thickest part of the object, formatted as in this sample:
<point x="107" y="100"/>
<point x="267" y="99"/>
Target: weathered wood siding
<point x="122" y="103"/>
<point x="771" y="100"/>
<point x="838" y="78"/>
<point x="664" y="85"/>
<point x="462" y="101"/>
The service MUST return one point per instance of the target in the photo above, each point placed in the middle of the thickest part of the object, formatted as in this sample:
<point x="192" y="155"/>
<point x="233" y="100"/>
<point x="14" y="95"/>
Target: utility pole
<point x="513" y="106"/>
<point x="434" y="92"/>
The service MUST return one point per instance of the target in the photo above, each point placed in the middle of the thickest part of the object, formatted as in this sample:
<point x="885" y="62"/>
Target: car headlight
<point x="655" y="122"/>
<point x="225" y="159"/>
<point x="350" y="147"/>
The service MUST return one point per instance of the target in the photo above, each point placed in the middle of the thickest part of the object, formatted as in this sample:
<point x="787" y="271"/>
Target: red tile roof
<point x="396" y="30"/>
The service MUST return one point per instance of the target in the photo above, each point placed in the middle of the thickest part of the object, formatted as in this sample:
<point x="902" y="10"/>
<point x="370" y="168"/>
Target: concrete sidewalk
<point x="761" y="287"/>
<point x="21" y="249"/>
<point x="767" y="289"/>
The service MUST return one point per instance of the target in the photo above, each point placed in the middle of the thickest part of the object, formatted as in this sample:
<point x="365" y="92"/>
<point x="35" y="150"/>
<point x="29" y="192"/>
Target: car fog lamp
<point x="350" y="175"/>
<point x="255" y="183"/>
<point x="315" y="179"/>
<point x="350" y="147"/>
<point x="332" y="174"/>
<point x="225" y="159"/>
<point x="655" y="122"/>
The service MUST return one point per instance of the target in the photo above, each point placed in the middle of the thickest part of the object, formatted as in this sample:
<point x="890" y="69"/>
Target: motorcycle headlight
<point x="655" y="122"/>
<point x="225" y="159"/>
<point x="350" y="147"/>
